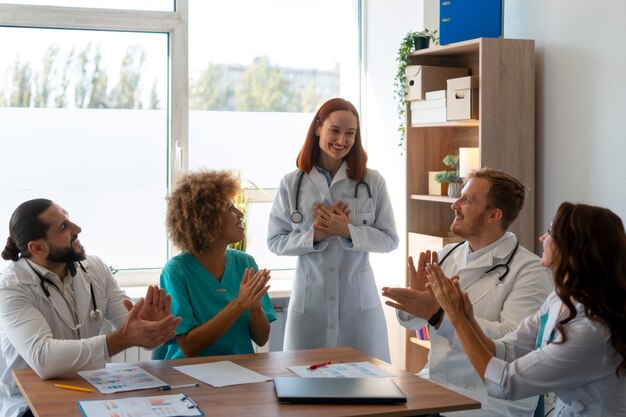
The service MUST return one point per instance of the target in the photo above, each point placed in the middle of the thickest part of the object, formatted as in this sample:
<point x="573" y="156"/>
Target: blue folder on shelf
<point x="460" y="20"/>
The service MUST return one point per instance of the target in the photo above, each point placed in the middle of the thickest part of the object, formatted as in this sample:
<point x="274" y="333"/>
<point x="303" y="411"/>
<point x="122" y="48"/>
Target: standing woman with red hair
<point x="332" y="212"/>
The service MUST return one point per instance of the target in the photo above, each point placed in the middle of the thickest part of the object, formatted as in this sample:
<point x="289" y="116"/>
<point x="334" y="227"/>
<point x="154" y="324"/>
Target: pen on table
<point x="319" y="365"/>
<point x="170" y="387"/>
<point x="73" y="388"/>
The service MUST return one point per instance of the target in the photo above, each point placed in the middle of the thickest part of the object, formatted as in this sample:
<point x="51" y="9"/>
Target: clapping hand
<point x="417" y="277"/>
<point x="156" y="305"/>
<point x="253" y="286"/>
<point x="448" y="293"/>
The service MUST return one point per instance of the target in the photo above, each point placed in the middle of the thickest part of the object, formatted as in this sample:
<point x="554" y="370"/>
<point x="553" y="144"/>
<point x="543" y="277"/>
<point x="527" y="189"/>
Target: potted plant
<point x="452" y="177"/>
<point x="421" y="40"/>
<point x="407" y="46"/>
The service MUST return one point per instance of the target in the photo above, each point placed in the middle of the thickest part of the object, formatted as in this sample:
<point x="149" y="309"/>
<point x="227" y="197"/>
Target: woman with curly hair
<point x="219" y="292"/>
<point x="575" y="345"/>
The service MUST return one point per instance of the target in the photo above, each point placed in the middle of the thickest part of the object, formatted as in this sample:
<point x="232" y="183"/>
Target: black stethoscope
<point x="95" y="314"/>
<point x="297" y="217"/>
<point x="504" y="265"/>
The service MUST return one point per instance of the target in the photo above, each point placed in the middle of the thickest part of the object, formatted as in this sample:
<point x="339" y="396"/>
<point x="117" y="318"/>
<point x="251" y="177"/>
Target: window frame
<point x="175" y="25"/>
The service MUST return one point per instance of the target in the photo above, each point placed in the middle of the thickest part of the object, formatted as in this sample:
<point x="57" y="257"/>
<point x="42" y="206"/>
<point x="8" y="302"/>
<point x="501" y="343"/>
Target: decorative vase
<point x="454" y="189"/>
<point x="421" y="42"/>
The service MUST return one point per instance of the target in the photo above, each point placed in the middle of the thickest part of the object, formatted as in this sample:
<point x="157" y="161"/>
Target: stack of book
<point x="430" y="110"/>
<point x="422" y="334"/>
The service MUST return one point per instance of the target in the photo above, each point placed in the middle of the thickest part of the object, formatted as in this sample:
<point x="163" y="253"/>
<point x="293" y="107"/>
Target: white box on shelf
<point x="432" y="115"/>
<point x="428" y="104"/>
<point x="434" y="95"/>
<point x="463" y="98"/>
<point x="421" y="79"/>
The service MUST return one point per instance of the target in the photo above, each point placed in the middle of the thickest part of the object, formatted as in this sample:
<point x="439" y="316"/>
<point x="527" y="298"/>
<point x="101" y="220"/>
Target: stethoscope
<point x="94" y="315"/>
<point x="297" y="217"/>
<point x="504" y="265"/>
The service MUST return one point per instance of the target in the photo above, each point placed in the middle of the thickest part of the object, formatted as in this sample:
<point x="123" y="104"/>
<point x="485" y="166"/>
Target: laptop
<point x="298" y="390"/>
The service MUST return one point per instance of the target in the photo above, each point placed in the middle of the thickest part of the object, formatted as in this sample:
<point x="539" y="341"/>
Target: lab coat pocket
<point x="367" y="290"/>
<point x="365" y="218"/>
<point x="298" y="294"/>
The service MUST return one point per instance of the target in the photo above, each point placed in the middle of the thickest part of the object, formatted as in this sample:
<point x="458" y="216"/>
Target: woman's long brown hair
<point x="591" y="269"/>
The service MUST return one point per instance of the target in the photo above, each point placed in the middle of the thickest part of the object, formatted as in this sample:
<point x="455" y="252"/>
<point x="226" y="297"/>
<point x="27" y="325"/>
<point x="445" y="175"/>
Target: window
<point x="86" y="123"/>
<point x="255" y="82"/>
<point x="105" y="108"/>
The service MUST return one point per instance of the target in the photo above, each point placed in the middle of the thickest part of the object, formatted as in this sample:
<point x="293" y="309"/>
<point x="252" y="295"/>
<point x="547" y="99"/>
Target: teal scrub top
<point x="197" y="296"/>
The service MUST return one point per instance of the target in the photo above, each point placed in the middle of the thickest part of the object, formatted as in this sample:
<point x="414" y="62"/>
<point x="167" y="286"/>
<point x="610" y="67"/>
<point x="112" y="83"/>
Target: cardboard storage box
<point x="421" y="79"/>
<point x="462" y="98"/>
<point x="434" y="187"/>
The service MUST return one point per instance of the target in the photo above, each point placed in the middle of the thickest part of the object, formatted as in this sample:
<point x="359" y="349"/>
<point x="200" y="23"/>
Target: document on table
<point x="122" y="378"/>
<point x="157" y="405"/>
<point x="222" y="374"/>
<point x="342" y="370"/>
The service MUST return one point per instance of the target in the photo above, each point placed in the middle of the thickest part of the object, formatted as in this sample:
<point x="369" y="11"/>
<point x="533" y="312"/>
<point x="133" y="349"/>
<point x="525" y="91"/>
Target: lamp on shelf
<point x="469" y="161"/>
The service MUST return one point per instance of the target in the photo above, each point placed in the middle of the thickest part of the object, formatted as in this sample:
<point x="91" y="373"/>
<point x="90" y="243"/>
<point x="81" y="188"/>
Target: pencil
<point x="73" y="388"/>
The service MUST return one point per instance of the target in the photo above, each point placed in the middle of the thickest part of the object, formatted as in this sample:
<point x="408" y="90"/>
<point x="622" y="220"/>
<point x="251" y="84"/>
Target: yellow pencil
<point x="73" y="388"/>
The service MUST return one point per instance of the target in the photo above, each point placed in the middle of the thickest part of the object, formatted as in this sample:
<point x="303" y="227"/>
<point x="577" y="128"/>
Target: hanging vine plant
<point x="407" y="46"/>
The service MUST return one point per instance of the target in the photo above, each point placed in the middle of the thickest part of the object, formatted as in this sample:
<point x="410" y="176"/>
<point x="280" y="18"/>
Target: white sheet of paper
<point x="222" y="374"/>
<point x="343" y="370"/>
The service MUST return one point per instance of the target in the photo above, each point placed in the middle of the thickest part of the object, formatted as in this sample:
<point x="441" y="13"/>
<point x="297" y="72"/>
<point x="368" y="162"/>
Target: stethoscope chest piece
<point x="296" y="217"/>
<point x="95" y="315"/>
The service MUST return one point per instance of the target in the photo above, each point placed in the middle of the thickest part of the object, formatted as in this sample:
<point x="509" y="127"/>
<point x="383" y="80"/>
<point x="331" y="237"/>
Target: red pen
<point x="319" y="365"/>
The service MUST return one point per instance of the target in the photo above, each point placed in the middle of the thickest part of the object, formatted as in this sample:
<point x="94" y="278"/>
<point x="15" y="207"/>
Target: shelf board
<point x="437" y="198"/>
<point x="460" y="123"/>
<point x="420" y="342"/>
<point x="471" y="46"/>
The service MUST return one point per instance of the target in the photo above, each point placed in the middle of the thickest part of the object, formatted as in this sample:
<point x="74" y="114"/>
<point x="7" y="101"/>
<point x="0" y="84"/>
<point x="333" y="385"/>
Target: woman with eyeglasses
<point x="220" y="293"/>
<point x="575" y="345"/>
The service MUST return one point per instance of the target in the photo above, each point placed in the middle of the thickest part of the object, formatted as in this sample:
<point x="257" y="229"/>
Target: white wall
<point x="386" y="23"/>
<point x="581" y="96"/>
<point x="581" y="100"/>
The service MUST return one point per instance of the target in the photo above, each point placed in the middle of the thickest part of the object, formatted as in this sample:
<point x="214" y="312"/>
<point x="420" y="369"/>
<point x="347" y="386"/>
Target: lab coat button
<point x="331" y="269"/>
<point x="331" y="299"/>
<point x="332" y="326"/>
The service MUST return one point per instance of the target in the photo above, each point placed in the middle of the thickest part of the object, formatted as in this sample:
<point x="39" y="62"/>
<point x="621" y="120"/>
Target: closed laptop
<point x="338" y="391"/>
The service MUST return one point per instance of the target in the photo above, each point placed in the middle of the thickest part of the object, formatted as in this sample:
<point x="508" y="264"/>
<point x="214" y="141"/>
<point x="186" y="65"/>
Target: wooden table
<point x="248" y="400"/>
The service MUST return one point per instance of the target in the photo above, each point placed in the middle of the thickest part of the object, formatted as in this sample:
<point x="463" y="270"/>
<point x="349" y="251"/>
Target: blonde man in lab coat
<point x="505" y="283"/>
<point x="54" y="300"/>
<point x="331" y="213"/>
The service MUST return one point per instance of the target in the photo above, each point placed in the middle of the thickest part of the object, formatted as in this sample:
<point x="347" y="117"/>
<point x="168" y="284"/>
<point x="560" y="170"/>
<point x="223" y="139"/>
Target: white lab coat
<point x="580" y="371"/>
<point x="33" y="333"/>
<point x="334" y="300"/>
<point x="499" y="308"/>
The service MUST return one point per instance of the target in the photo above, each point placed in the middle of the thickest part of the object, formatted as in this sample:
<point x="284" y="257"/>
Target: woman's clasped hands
<point x="331" y="221"/>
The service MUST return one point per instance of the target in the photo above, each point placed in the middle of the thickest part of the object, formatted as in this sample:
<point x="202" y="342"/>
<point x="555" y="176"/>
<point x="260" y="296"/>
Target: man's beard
<point x="66" y="255"/>
<point x="472" y="229"/>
